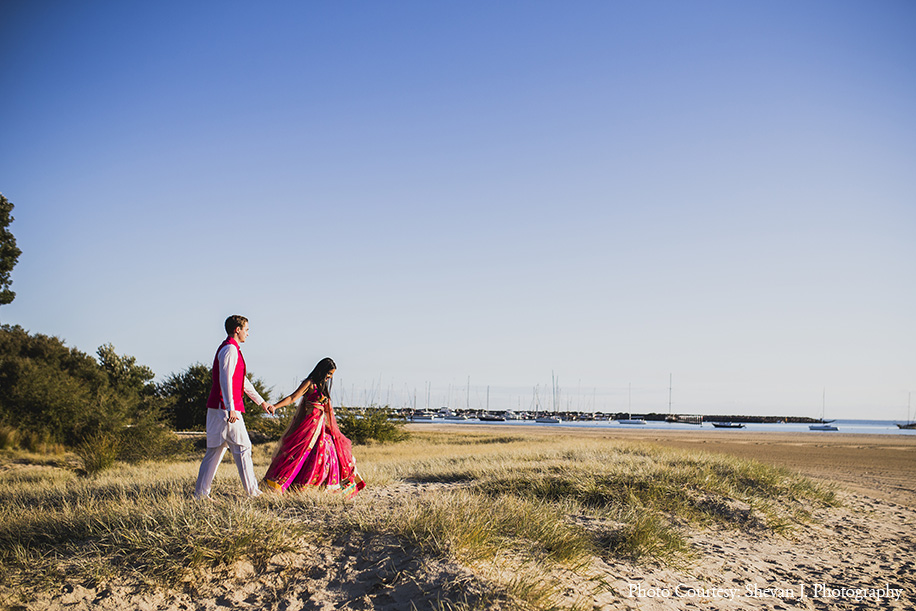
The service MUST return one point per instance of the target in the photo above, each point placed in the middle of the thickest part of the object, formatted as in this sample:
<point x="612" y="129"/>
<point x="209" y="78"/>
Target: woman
<point x="313" y="451"/>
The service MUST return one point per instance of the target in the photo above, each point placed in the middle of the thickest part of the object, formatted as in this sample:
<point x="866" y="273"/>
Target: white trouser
<point x="221" y="435"/>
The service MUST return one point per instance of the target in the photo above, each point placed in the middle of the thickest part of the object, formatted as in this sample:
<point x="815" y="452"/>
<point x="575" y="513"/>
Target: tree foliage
<point x="54" y="394"/>
<point x="9" y="253"/>
<point x="123" y="372"/>
<point x="186" y="394"/>
<point x="370" y="424"/>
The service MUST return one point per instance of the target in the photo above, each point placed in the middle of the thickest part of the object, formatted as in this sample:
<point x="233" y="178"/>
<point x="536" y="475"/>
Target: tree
<point x="48" y="390"/>
<point x="9" y="254"/>
<point x="53" y="394"/>
<point x="123" y="372"/>
<point x="132" y="390"/>
<point x="364" y="425"/>
<point x="188" y="392"/>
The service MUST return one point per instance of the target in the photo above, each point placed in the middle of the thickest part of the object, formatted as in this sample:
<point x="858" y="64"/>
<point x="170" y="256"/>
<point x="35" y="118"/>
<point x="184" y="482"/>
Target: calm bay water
<point x="866" y="427"/>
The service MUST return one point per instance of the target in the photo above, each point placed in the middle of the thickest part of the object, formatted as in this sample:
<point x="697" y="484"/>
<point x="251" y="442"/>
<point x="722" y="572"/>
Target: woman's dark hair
<point x="319" y="376"/>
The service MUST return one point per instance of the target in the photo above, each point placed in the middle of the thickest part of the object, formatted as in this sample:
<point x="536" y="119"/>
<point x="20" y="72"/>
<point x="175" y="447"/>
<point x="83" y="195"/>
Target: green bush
<point x="185" y="397"/>
<point x="99" y="452"/>
<point x="361" y="425"/>
<point x="264" y="427"/>
<point x="54" y="396"/>
<point x="9" y="438"/>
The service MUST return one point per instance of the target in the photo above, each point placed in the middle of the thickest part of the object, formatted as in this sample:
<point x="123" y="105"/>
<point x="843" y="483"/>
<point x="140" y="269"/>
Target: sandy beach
<point x="861" y="555"/>
<point x="866" y="547"/>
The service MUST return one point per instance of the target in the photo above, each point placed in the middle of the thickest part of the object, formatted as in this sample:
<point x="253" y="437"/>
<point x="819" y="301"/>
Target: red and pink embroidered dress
<point x="313" y="451"/>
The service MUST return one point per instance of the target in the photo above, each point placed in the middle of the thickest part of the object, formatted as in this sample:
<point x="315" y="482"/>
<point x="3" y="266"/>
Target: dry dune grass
<point x="448" y="521"/>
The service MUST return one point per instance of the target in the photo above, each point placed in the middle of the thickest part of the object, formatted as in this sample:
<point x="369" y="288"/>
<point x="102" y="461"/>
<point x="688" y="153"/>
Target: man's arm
<point x="254" y="396"/>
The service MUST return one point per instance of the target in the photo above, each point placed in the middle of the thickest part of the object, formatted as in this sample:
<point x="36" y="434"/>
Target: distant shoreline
<point x="859" y="427"/>
<point x="576" y="416"/>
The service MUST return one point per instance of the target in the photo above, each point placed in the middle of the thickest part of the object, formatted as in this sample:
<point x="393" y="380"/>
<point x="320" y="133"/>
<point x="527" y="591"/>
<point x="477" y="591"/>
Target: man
<point x="225" y="424"/>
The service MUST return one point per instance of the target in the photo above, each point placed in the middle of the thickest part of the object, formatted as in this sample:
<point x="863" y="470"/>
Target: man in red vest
<point x="225" y="406"/>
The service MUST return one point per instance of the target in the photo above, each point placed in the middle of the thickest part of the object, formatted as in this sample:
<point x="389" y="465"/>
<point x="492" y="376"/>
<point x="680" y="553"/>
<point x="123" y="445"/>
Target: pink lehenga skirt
<point x="314" y="453"/>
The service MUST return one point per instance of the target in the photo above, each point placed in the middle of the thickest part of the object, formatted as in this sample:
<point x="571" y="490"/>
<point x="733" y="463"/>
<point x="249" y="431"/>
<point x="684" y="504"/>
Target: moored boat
<point x="823" y="425"/>
<point x="910" y="424"/>
<point x="548" y="419"/>
<point x="486" y="417"/>
<point x="631" y="420"/>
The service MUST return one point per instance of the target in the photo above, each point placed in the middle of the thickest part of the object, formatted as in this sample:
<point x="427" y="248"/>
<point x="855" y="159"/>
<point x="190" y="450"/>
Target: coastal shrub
<point x="645" y="535"/>
<point x="185" y="397"/>
<point x="152" y="441"/>
<point x="9" y="437"/>
<point x="56" y="395"/>
<point x="362" y="425"/>
<point x="99" y="452"/>
<point x="265" y="427"/>
<point x="474" y="526"/>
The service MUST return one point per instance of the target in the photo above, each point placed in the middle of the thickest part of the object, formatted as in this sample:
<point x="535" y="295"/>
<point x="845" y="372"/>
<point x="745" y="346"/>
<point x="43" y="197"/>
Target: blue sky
<point x="477" y="194"/>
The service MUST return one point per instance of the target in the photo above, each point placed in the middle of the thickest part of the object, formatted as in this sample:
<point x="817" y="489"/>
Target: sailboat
<point x="546" y="418"/>
<point x="823" y="425"/>
<point x="910" y="424"/>
<point x="630" y="419"/>
<point x="447" y="414"/>
<point x="487" y="416"/>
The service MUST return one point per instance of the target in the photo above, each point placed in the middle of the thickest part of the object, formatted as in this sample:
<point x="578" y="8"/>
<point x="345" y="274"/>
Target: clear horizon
<point x="610" y="193"/>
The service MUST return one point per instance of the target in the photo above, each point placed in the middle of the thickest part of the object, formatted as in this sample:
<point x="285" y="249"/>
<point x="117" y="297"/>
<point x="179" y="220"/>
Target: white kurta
<point x="223" y="435"/>
<point x="219" y="429"/>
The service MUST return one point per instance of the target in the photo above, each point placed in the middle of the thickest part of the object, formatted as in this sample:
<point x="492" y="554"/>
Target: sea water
<point x="858" y="427"/>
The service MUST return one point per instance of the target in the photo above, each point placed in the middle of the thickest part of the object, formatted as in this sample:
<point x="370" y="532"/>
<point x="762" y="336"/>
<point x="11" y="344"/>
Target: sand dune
<point x="859" y="556"/>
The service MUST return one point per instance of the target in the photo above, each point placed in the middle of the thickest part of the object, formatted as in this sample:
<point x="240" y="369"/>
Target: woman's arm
<point x="295" y="396"/>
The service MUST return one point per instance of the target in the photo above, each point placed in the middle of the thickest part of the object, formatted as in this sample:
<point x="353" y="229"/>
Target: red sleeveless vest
<point x="215" y="401"/>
